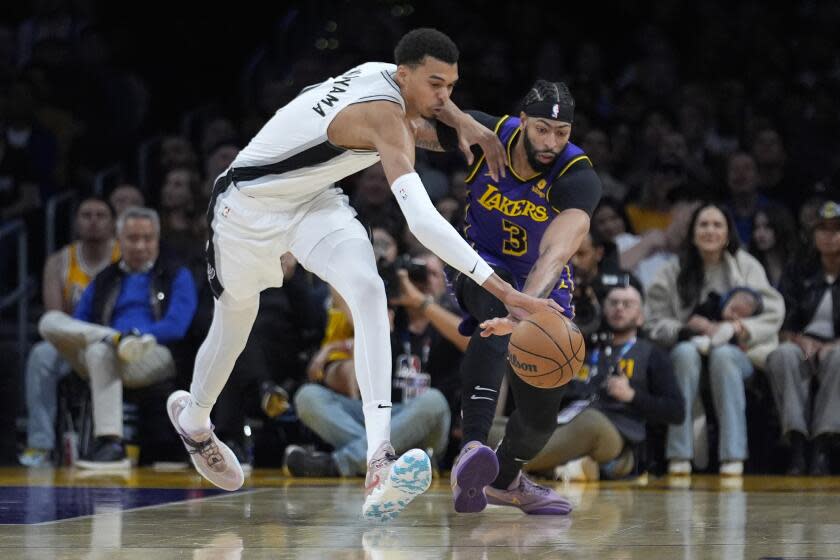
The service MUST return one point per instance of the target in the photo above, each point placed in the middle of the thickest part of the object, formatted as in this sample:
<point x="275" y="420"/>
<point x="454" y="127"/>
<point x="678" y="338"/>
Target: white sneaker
<point x="133" y="347"/>
<point x="679" y="468"/>
<point x="212" y="459"/>
<point x="393" y="482"/>
<point x="732" y="468"/>
<point x="578" y="470"/>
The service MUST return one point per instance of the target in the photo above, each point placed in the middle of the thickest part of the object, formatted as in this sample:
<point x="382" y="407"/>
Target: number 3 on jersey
<point x="517" y="242"/>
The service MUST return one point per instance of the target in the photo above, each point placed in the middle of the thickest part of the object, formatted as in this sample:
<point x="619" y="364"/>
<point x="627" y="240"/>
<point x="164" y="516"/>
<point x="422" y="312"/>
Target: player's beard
<point x="531" y="154"/>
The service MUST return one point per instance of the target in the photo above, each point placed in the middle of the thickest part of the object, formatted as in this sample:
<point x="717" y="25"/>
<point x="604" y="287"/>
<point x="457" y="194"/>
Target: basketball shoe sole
<point x="396" y="485"/>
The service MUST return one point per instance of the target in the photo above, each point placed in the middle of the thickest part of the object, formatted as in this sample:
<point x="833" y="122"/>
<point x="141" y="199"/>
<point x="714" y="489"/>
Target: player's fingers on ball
<point x="554" y="305"/>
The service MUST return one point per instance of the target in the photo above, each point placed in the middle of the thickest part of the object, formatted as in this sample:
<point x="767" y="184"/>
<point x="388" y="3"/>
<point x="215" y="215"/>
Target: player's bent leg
<point x="190" y="412"/>
<point x="528" y="430"/>
<point x="345" y="260"/>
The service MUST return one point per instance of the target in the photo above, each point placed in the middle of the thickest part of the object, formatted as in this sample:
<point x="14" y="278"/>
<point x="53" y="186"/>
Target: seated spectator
<point x="183" y="225"/>
<point x="174" y="152"/>
<point x="711" y="261"/>
<point x="67" y="273"/>
<point x="744" y="200"/>
<point x="332" y="365"/>
<point x="592" y="276"/>
<point x="623" y="385"/>
<point x="125" y="196"/>
<point x="811" y="348"/>
<point x="652" y="210"/>
<point x="807" y="217"/>
<point x="120" y="328"/>
<point x="597" y="146"/>
<point x="217" y="160"/>
<point x="775" y="241"/>
<point x="775" y="175"/>
<point x="426" y="347"/>
<point x="643" y="255"/>
<point x="741" y="302"/>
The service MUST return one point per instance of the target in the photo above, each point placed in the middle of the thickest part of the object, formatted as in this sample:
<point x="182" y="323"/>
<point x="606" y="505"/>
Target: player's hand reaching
<point x="471" y="132"/>
<point x="520" y="306"/>
<point x="500" y="326"/>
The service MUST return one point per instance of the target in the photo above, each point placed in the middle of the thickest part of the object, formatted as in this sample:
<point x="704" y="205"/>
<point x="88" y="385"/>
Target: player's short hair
<point x="137" y="212"/>
<point x="425" y="41"/>
<point x="551" y="100"/>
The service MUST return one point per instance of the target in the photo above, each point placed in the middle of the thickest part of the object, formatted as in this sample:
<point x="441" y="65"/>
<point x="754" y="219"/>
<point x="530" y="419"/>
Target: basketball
<point x="546" y="350"/>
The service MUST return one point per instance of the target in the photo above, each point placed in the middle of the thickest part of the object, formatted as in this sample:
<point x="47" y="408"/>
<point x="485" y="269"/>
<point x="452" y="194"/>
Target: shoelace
<point x="207" y="449"/>
<point x="379" y="463"/>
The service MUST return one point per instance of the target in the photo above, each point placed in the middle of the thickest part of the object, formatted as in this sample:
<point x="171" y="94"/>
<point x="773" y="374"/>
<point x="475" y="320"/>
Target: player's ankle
<point x="195" y="419"/>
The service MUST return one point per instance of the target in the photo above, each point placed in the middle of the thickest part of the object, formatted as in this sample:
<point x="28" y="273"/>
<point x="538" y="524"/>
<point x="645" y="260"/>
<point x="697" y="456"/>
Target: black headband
<point x="550" y="110"/>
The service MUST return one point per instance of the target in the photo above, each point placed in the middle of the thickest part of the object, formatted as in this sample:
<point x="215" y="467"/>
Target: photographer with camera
<point x="425" y="359"/>
<point x="625" y="383"/>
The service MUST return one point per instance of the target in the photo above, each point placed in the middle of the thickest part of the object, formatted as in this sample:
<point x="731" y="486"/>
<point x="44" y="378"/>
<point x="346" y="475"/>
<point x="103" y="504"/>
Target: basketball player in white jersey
<point x="277" y="196"/>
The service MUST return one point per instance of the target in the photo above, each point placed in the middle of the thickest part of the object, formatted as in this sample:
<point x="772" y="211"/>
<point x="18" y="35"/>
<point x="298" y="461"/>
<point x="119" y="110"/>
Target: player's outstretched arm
<point x="560" y="241"/>
<point x="394" y="142"/>
<point x="464" y="131"/>
<point x="471" y="132"/>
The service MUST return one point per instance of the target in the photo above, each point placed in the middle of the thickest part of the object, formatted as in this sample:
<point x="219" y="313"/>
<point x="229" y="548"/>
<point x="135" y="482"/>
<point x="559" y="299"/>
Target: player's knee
<point x="366" y="285"/>
<point x="433" y="404"/>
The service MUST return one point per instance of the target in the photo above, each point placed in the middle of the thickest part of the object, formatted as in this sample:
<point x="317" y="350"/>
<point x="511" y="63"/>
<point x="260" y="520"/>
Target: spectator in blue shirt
<point x="122" y="328"/>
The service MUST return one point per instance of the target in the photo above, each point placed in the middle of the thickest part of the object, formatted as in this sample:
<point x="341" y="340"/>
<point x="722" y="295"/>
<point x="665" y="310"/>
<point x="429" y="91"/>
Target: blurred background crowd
<point x="107" y="106"/>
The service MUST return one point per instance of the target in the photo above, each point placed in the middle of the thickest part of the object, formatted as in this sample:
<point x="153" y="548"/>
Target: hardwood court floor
<point x="151" y="515"/>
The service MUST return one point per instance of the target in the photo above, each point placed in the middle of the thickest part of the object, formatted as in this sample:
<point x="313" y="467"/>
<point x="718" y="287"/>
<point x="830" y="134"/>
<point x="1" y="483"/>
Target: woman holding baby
<point x="714" y="308"/>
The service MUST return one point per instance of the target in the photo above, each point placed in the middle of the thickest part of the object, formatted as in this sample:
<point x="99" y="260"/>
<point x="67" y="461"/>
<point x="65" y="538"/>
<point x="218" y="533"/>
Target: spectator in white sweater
<point x="711" y="262"/>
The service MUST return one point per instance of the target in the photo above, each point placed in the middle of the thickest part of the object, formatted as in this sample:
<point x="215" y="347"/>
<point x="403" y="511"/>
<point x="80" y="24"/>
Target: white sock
<point x="195" y="418"/>
<point x="377" y="425"/>
<point x="232" y="322"/>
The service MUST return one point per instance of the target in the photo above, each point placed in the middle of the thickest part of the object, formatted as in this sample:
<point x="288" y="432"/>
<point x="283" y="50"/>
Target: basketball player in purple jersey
<point x="526" y="225"/>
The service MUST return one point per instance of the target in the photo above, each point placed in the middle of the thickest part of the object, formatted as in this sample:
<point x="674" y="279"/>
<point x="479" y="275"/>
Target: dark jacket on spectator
<point x="803" y="285"/>
<point x="657" y="400"/>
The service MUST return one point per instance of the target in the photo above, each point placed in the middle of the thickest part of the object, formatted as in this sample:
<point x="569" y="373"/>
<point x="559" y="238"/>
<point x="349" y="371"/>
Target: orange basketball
<point x="546" y="350"/>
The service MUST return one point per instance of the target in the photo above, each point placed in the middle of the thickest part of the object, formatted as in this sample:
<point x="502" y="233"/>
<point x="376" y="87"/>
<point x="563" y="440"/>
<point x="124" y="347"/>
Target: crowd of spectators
<point x="713" y="128"/>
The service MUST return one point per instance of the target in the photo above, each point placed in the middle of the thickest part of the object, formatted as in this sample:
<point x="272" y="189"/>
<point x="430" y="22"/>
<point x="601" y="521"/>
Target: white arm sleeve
<point x="434" y="232"/>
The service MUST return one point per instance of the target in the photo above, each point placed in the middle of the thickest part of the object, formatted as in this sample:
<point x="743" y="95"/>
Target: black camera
<point x="416" y="268"/>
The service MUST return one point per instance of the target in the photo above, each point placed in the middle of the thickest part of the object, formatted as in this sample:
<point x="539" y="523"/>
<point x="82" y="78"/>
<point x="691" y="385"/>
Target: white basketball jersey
<point x="291" y="157"/>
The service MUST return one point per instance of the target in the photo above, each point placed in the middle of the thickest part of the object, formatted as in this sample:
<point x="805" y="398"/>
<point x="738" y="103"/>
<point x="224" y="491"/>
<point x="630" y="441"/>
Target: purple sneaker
<point x="530" y="497"/>
<point x="475" y="467"/>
